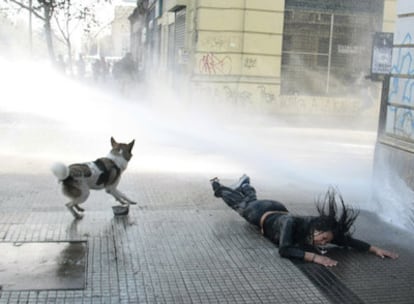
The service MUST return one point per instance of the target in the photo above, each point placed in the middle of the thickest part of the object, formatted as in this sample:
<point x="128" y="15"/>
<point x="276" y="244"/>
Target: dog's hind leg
<point x="73" y="204"/>
<point x="79" y="208"/>
<point x="72" y="210"/>
<point x="78" y="193"/>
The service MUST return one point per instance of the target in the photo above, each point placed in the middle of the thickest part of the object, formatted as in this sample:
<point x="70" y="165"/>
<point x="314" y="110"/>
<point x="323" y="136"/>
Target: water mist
<point x="47" y="117"/>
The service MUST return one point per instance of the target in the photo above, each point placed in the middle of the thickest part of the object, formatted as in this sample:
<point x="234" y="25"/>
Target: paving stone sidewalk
<point x="182" y="245"/>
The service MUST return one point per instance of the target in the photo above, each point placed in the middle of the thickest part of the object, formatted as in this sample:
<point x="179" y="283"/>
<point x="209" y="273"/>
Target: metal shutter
<point x="171" y="54"/>
<point x="179" y="31"/>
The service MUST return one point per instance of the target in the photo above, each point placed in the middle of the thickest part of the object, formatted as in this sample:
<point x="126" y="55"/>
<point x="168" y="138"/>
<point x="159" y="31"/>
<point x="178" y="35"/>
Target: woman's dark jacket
<point x="291" y="233"/>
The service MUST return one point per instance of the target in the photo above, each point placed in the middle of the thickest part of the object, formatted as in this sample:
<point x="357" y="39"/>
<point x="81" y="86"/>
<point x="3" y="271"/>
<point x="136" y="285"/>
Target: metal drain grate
<point x="328" y="283"/>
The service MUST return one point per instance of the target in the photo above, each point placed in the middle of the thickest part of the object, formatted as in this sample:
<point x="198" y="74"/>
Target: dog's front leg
<point x="119" y="196"/>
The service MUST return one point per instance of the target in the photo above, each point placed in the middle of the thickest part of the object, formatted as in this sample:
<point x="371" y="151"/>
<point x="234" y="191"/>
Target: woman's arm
<point x="319" y="259"/>
<point x="287" y="247"/>
<point x="382" y="253"/>
<point x="363" y="246"/>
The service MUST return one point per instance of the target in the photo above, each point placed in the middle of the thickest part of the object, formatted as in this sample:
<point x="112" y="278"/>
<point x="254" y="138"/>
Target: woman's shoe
<point x="244" y="179"/>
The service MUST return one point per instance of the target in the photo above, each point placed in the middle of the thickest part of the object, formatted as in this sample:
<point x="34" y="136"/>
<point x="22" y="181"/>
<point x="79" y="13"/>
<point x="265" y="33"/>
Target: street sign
<point x="381" y="54"/>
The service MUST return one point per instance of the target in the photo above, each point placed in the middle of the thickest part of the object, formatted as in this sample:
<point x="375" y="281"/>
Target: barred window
<point x="325" y="52"/>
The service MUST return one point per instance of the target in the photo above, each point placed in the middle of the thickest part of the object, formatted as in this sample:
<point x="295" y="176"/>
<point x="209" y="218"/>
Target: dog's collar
<point x="119" y="161"/>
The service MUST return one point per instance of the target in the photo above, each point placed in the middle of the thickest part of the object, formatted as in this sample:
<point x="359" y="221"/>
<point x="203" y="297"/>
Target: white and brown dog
<point x="103" y="173"/>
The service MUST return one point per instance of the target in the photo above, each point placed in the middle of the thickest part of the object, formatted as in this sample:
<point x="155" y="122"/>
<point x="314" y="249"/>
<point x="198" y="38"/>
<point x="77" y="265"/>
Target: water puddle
<point x="43" y="265"/>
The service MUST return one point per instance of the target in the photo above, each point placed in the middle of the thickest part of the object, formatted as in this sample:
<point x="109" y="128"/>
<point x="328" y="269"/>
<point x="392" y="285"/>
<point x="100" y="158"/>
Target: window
<point x="324" y="52"/>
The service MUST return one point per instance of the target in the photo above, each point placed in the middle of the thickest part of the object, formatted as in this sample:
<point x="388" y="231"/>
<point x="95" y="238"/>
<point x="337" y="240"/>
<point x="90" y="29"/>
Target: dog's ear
<point x="113" y="142"/>
<point x="131" y="145"/>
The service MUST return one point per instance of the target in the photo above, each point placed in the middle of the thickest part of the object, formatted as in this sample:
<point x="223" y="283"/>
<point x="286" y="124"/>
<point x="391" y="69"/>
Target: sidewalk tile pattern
<point x="178" y="245"/>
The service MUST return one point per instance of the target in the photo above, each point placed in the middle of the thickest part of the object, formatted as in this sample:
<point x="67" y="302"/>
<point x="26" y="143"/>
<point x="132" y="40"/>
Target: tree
<point x="43" y="10"/>
<point x="66" y="15"/>
<point x="74" y="17"/>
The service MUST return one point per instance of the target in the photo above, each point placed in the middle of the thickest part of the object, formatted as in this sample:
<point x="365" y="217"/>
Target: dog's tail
<point x="60" y="170"/>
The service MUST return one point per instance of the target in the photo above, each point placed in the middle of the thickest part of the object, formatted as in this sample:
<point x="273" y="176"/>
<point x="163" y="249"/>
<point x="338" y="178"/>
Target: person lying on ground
<point x="298" y="237"/>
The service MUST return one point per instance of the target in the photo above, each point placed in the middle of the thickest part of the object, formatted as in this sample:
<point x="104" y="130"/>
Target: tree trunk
<point x="48" y="32"/>
<point x="70" y="61"/>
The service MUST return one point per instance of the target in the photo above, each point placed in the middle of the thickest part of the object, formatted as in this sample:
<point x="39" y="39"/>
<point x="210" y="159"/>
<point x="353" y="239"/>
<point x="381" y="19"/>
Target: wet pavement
<point x="43" y="265"/>
<point x="182" y="245"/>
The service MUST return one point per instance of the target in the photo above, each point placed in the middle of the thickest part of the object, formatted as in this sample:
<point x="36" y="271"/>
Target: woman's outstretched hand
<point x="324" y="260"/>
<point x="328" y="262"/>
<point x="320" y="259"/>
<point x="383" y="253"/>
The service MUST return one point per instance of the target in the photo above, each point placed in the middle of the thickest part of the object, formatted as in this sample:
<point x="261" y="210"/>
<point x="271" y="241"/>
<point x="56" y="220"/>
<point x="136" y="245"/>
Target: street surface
<point x="180" y="244"/>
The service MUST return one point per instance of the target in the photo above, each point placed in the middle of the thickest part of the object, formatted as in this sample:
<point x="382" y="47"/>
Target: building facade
<point x="394" y="154"/>
<point x="249" y="51"/>
<point x="120" y="29"/>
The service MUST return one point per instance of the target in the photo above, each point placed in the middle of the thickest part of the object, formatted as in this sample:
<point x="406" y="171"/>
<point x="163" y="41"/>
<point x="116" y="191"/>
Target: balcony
<point x="174" y="5"/>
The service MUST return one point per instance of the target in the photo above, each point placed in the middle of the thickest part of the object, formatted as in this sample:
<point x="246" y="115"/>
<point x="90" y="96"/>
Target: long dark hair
<point x="331" y="218"/>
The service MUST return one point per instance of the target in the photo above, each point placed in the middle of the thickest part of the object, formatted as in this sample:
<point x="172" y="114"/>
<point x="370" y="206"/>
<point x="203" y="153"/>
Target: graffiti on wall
<point x="403" y="64"/>
<point x="307" y="105"/>
<point x="402" y="122"/>
<point x="219" y="43"/>
<point x="229" y="92"/>
<point x="213" y="64"/>
<point x="237" y="96"/>
<point x="250" y="62"/>
<point x="267" y="96"/>
<point x="401" y="91"/>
